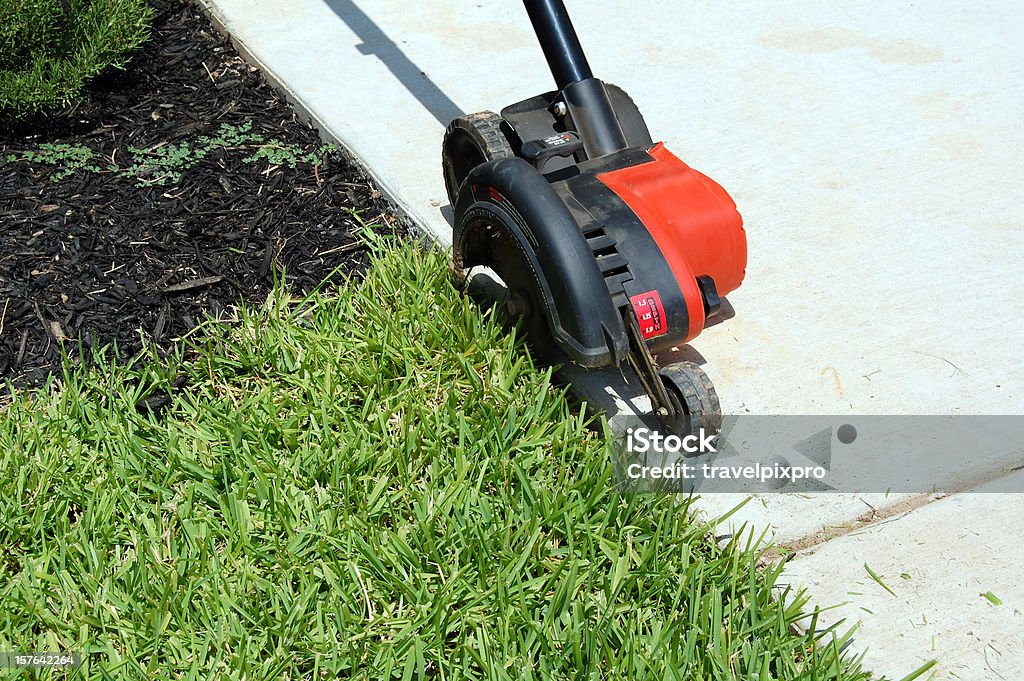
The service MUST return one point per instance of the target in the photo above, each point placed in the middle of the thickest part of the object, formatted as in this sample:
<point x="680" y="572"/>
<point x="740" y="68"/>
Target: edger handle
<point x="558" y="39"/>
<point x="590" y="109"/>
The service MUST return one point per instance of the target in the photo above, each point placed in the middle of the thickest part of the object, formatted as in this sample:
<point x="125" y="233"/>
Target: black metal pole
<point x="558" y="39"/>
<point x="590" y="109"/>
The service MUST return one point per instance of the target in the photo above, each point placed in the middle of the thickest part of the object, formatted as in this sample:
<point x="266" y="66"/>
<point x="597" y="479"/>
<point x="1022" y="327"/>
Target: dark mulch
<point x="94" y="258"/>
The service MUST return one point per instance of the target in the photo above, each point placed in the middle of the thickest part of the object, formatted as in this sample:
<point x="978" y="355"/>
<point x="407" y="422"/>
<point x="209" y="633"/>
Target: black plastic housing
<point x="510" y="195"/>
<point x="587" y="249"/>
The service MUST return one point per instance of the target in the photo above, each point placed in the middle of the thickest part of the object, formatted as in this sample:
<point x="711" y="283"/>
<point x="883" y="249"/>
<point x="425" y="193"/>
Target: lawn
<point x="373" y="481"/>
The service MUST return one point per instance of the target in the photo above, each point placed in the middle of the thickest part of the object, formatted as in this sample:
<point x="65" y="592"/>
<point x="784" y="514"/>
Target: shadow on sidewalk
<point x="377" y="43"/>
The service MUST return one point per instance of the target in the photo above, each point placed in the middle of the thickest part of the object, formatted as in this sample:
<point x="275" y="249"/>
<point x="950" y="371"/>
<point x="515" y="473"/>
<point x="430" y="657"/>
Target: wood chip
<point x="58" y="332"/>
<point x="194" y="284"/>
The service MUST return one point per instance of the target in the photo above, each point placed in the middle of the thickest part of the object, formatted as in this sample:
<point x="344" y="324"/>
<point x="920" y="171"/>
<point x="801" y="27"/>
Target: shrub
<point x="49" y="49"/>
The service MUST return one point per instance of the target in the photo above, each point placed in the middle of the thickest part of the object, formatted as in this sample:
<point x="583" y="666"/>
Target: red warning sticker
<point x="650" y="314"/>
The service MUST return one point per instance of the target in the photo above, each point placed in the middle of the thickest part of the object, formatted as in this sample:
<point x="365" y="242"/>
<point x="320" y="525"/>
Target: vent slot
<point x="615" y="271"/>
<point x="612" y="264"/>
<point x="602" y="245"/>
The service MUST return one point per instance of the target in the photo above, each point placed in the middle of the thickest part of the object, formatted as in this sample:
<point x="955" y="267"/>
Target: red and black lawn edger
<point x="611" y="249"/>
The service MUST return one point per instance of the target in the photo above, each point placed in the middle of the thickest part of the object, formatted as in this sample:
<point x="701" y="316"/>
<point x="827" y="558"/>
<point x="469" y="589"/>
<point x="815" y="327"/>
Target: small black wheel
<point x="694" y="398"/>
<point x="469" y="141"/>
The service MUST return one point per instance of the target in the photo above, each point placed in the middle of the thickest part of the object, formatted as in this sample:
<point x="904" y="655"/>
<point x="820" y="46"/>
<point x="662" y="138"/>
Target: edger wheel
<point x="694" y="398"/>
<point x="469" y="141"/>
<point x="522" y="301"/>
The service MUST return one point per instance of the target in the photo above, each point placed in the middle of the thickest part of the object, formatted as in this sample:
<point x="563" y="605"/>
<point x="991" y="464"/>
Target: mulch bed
<point x="101" y="257"/>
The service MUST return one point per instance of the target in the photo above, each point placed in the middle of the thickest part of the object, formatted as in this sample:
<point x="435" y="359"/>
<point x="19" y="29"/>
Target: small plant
<point x="71" y="157"/>
<point x="231" y="136"/>
<point x="164" y="164"/>
<point x="277" y="155"/>
<point x="160" y="164"/>
<point x="49" y="49"/>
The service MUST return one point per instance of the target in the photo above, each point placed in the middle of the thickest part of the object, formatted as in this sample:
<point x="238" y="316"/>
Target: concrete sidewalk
<point x="874" y="152"/>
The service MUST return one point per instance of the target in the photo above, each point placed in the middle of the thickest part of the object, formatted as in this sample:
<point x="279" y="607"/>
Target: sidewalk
<point x="874" y="153"/>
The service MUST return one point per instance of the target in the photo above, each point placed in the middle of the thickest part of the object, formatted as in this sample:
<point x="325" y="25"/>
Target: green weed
<point x="164" y="164"/>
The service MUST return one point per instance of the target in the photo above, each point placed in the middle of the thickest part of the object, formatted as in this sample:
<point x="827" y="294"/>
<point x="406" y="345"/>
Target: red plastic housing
<point x="692" y="219"/>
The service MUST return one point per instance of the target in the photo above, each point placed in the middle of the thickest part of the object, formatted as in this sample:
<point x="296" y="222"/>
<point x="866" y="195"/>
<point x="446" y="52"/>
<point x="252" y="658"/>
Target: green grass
<point x="372" y="483"/>
<point x="50" y="49"/>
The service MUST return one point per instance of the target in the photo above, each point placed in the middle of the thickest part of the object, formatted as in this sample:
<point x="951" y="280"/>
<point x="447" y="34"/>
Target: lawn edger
<point x="611" y="249"/>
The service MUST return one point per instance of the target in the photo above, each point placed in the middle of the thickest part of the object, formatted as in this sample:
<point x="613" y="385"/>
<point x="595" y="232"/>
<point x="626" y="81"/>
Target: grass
<point x="374" y="482"/>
